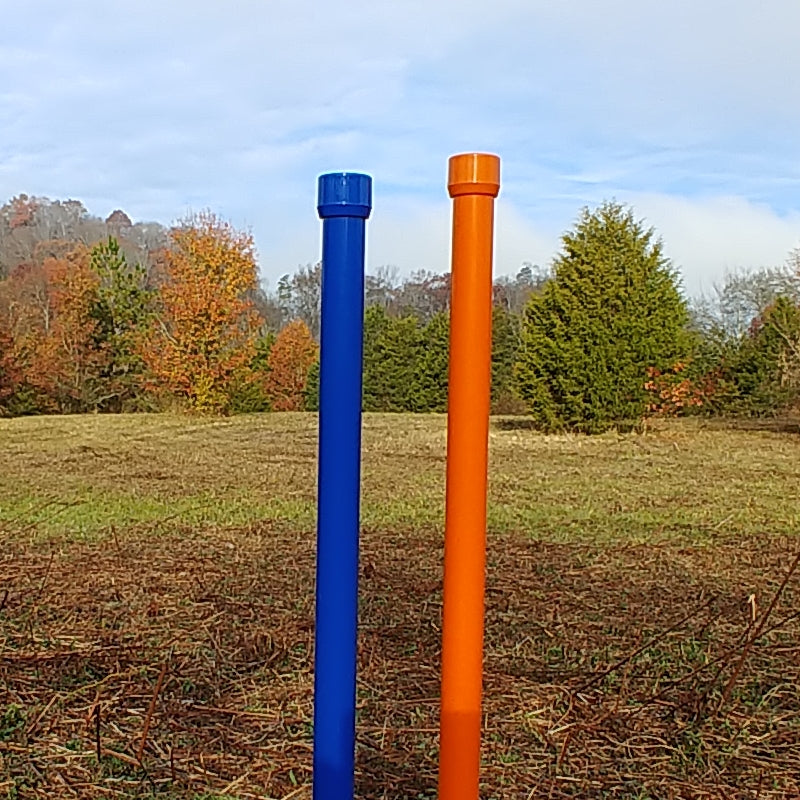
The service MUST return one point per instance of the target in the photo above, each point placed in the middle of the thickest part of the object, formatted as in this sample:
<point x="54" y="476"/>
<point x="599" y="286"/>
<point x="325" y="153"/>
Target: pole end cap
<point x="474" y="173"/>
<point x="344" y="194"/>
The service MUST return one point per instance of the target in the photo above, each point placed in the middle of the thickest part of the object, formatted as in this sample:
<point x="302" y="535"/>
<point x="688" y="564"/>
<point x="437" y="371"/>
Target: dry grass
<point x="151" y="648"/>
<point x="83" y="476"/>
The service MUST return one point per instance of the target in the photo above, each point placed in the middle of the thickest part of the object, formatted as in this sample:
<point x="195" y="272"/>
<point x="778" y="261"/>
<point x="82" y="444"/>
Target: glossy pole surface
<point x="344" y="203"/>
<point x="473" y="183"/>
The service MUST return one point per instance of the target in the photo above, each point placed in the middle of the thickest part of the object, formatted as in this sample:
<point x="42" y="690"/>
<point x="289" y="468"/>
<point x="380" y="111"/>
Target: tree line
<point x="108" y="316"/>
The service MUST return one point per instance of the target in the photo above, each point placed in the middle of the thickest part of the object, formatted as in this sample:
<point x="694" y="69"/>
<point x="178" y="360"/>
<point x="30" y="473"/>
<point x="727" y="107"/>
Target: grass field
<point x="156" y="609"/>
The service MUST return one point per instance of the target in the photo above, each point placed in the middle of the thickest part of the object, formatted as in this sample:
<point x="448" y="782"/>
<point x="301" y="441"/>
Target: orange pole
<point x="473" y="183"/>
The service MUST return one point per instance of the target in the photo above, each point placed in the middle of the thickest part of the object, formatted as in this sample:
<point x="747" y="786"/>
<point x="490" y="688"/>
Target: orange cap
<point x="474" y="173"/>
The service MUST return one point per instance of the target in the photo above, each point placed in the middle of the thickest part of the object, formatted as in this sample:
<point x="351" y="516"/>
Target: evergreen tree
<point x="764" y="373"/>
<point x="311" y="398"/>
<point x="430" y="387"/>
<point x="391" y="352"/>
<point x="612" y="309"/>
<point x="505" y="351"/>
<point x="249" y="392"/>
<point x="121" y="312"/>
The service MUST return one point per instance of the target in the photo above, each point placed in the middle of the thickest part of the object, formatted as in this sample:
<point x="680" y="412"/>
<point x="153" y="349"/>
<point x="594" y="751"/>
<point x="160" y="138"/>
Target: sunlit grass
<point x="85" y="476"/>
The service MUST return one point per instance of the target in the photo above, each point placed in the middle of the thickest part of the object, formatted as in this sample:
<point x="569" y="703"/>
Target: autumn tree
<point x="203" y="336"/>
<point x="72" y="359"/>
<point x="17" y="236"/>
<point x="33" y="229"/>
<point x="48" y="312"/>
<point x="291" y="356"/>
<point x="26" y="313"/>
<point x="9" y="373"/>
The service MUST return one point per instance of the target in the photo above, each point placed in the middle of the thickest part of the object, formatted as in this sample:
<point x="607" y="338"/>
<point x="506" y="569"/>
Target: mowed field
<point x="156" y="609"/>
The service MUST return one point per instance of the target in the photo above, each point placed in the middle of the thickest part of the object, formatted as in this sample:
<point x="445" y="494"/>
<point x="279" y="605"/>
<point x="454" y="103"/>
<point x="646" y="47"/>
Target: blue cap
<point x="344" y="194"/>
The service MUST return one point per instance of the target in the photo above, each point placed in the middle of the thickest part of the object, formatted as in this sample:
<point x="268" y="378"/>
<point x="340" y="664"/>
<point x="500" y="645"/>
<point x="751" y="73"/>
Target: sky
<point x="686" y="110"/>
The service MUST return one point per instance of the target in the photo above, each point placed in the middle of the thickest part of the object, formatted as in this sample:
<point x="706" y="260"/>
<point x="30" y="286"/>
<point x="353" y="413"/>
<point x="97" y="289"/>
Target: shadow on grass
<point x="784" y="424"/>
<point x="514" y="424"/>
<point x="529" y="424"/>
<point x="780" y="424"/>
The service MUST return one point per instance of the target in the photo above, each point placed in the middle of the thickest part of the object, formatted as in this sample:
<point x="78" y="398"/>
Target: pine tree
<point x="430" y="386"/>
<point x="505" y="351"/>
<point x="612" y="309"/>
<point x="121" y="311"/>
<point x="311" y="394"/>
<point x="764" y="372"/>
<point x="248" y="394"/>
<point x="391" y="352"/>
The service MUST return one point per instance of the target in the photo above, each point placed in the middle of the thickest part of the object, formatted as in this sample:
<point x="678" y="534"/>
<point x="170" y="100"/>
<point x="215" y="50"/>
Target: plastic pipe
<point x="473" y="183"/>
<point x="344" y="204"/>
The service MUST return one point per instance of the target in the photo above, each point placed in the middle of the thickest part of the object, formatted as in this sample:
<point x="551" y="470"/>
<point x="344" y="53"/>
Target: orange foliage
<point x="9" y="371"/>
<point x="70" y="362"/>
<point x="673" y="394"/>
<point x="289" y="360"/>
<point x="48" y="312"/>
<point x="204" y="337"/>
<point x="23" y="209"/>
<point x="26" y="307"/>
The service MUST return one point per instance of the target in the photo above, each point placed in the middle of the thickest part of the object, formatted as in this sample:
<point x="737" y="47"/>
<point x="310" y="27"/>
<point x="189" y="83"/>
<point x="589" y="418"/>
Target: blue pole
<point x="344" y="203"/>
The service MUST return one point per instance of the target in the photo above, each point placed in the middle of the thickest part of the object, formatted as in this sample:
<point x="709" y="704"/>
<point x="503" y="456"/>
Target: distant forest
<point x="111" y="315"/>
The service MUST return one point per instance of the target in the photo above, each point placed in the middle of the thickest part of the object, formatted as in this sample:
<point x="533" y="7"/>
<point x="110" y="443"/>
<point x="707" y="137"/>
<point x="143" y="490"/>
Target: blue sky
<point x="688" y="110"/>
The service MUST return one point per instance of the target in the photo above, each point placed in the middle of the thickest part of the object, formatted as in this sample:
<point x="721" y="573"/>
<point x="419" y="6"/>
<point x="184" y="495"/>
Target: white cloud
<point x="518" y="240"/>
<point x="161" y="107"/>
<point x="705" y="237"/>
<point x="410" y="236"/>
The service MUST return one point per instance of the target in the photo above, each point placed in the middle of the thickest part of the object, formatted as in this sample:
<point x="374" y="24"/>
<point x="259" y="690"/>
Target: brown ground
<point x="639" y="671"/>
